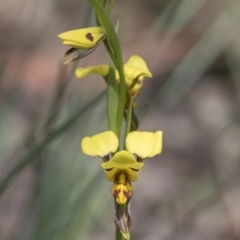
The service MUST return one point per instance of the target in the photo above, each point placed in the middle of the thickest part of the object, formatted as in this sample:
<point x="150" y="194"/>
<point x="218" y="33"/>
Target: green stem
<point x="129" y="117"/>
<point x="119" y="235"/>
<point x="114" y="45"/>
<point x="110" y="52"/>
<point x="112" y="99"/>
<point x="122" y="98"/>
<point x="41" y="146"/>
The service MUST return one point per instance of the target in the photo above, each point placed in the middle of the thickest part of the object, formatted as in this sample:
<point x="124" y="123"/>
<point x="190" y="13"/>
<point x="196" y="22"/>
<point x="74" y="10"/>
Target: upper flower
<point x="135" y="70"/>
<point x="84" y="38"/>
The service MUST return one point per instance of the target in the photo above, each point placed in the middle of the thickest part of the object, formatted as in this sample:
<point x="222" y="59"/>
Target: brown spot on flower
<point x="89" y="37"/>
<point x="115" y="193"/>
<point x="108" y="169"/>
<point x="127" y="194"/>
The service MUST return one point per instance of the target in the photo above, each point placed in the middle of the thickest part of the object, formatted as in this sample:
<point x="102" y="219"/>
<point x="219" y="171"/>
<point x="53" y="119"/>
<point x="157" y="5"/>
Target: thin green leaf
<point x="112" y="99"/>
<point x="129" y="117"/>
<point x="209" y="47"/>
<point x="2" y="69"/>
<point x="233" y="62"/>
<point x="110" y="6"/>
<point x="40" y="147"/>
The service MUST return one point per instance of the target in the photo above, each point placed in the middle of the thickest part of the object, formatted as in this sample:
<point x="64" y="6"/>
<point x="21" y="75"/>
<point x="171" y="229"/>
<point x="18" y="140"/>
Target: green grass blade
<point x="209" y="47"/>
<point x="40" y="147"/>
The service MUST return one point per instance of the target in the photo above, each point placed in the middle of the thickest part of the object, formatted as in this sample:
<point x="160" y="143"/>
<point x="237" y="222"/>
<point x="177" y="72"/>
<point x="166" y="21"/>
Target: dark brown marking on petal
<point x="106" y="158"/>
<point x="108" y="169"/>
<point x="89" y="36"/>
<point x="115" y="193"/>
<point x="134" y="169"/>
<point x="71" y="50"/>
<point x="127" y="194"/>
<point x="139" y="159"/>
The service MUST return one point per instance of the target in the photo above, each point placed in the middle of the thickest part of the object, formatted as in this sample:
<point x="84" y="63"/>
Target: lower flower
<point x="122" y="167"/>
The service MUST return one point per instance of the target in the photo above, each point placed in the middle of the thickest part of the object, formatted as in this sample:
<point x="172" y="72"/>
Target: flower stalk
<point x="124" y="82"/>
<point x="129" y="118"/>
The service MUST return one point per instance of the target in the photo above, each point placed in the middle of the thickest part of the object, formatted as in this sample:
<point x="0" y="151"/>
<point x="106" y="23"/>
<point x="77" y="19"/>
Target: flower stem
<point x="119" y="235"/>
<point x="129" y="117"/>
<point x="122" y="97"/>
<point x="112" y="99"/>
<point x="112" y="39"/>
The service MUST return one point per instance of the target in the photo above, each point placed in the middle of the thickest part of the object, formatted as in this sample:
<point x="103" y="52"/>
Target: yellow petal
<point x="122" y="161"/>
<point x="144" y="144"/>
<point x="100" y="144"/>
<point x="132" y="73"/>
<point x="82" y="38"/>
<point x="138" y="62"/>
<point x="101" y="70"/>
<point x="111" y="173"/>
<point x="132" y="174"/>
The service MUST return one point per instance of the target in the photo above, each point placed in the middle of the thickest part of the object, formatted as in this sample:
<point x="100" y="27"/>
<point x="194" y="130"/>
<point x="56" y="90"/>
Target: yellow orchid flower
<point x="123" y="167"/>
<point x="135" y="70"/>
<point x="84" y="38"/>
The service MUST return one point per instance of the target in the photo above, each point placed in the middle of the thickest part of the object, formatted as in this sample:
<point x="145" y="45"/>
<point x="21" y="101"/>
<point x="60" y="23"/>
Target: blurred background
<point x="50" y="191"/>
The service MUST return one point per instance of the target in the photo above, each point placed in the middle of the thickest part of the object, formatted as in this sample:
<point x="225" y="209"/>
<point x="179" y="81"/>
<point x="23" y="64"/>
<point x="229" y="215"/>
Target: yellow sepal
<point x="84" y="38"/>
<point x="101" y="70"/>
<point x="138" y="62"/>
<point x="135" y="71"/>
<point x="144" y="144"/>
<point x="100" y="144"/>
<point x="132" y="73"/>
